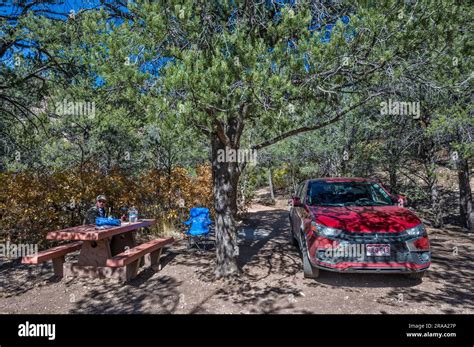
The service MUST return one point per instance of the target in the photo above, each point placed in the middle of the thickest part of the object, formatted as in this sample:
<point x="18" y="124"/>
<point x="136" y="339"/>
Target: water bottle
<point x="133" y="215"/>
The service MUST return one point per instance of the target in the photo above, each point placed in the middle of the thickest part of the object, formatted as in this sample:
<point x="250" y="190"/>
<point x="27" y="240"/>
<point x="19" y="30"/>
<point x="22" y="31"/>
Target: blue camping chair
<point x="198" y="223"/>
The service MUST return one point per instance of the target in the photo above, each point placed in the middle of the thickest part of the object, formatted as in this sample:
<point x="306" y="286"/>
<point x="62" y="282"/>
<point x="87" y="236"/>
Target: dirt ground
<point x="272" y="281"/>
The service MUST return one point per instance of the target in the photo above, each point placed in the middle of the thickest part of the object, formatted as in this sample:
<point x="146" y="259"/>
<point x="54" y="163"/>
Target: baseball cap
<point x="101" y="197"/>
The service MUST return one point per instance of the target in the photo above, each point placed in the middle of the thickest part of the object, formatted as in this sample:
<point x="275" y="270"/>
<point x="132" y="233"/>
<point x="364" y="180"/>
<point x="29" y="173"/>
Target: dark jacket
<point x="93" y="213"/>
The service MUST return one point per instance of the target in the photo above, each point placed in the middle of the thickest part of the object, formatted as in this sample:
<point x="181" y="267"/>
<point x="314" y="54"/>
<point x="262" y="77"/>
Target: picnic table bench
<point x="111" y="252"/>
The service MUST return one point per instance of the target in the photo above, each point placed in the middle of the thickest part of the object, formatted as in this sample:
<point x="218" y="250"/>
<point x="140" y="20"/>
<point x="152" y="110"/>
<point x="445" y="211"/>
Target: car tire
<point x="293" y="239"/>
<point x="416" y="275"/>
<point x="309" y="271"/>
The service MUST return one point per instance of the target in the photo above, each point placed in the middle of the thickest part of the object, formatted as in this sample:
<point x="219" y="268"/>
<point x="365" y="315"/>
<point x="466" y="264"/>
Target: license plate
<point x="377" y="250"/>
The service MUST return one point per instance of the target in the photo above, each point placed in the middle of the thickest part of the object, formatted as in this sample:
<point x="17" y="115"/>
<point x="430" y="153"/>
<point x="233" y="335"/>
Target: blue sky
<point x="59" y="9"/>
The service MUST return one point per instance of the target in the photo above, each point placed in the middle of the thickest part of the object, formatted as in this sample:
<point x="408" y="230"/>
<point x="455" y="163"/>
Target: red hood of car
<point x="365" y="218"/>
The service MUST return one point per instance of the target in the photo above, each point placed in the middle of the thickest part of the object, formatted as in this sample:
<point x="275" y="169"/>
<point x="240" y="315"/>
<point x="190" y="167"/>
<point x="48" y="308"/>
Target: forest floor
<point x="272" y="281"/>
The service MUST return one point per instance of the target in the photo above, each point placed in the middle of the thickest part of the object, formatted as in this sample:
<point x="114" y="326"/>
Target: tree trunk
<point x="435" y="197"/>
<point x="225" y="177"/>
<point x="343" y="166"/>
<point x="293" y="180"/>
<point x="234" y="181"/>
<point x="392" y="170"/>
<point x="465" y="195"/>
<point x="428" y="155"/>
<point x="436" y="206"/>
<point x="243" y="189"/>
<point x="270" y="183"/>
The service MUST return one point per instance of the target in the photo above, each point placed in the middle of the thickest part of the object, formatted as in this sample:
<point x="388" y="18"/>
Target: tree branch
<point x="315" y="127"/>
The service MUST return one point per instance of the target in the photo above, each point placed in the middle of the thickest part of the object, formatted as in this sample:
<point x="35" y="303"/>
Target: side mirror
<point x="401" y="200"/>
<point x="295" y="202"/>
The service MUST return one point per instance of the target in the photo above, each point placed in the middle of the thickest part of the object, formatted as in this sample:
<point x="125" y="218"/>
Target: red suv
<point x="356" y="225"/>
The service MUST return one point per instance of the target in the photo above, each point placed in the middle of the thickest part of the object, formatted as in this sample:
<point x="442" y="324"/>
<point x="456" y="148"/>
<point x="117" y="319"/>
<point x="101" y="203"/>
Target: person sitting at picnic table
<point x="99" y="210"/>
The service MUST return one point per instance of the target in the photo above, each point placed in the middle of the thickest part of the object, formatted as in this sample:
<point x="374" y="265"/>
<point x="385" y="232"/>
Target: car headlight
<point x="419" y="230"/>
<point x="323" y="230"/>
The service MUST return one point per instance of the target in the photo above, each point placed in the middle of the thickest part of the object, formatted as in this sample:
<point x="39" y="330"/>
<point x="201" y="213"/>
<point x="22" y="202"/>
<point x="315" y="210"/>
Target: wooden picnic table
<point x="110" y="252"/>
<point x="91" y="233"/>
<point x="99" y="245"/>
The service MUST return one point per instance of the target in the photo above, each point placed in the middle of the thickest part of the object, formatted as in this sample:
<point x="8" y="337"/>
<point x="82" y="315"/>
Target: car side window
<point x="302" y="192"/>
<point x="299" y="189"/>
<point x="379" y="194"/>
<point x="296" y="191"/>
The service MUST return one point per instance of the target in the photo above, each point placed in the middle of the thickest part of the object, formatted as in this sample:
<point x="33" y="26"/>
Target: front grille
<point x="399" y="251"/>
<point x="356" y="251"/>
<point x="380" y="237"/>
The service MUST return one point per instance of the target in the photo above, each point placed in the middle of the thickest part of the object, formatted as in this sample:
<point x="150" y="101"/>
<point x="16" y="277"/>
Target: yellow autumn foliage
<point x="31" y="204"/>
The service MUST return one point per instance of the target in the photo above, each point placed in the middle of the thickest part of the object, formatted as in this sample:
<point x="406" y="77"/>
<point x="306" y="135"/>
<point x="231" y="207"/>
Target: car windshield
<point x="322" y="193"/>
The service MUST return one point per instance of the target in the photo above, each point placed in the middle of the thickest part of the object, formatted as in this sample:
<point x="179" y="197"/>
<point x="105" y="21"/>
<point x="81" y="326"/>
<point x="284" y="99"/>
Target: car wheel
<point x="309" y="271"/>
<point x="416" y="275"/>
<point x="293" y="239"/>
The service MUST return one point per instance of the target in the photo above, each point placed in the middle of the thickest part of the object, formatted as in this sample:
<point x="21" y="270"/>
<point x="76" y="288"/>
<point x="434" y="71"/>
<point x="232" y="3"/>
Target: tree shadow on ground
<point x="256" y="232"/>
<point x="253" y="297"/>
<point x="268" y="267"/>
<point x="147" y="293"/>
<point x="17" y="278"/>
<point x="144" y="294"/>
<point x="452" y="273"/>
